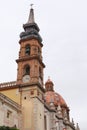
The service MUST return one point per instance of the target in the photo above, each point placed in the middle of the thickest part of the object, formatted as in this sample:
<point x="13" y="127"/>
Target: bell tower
<point x="30" y="64"/>
<point x="30" y="75"/>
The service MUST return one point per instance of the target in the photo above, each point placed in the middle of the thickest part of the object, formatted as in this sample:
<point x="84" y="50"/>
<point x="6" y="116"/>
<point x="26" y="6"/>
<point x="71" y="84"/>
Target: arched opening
<point x="40" y="72"/>
<point x="27" y="50"/>
<point x="27" y="70"/>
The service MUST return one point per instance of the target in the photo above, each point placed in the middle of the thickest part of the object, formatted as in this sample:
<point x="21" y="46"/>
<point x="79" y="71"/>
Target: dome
<point x="52" y="96"/>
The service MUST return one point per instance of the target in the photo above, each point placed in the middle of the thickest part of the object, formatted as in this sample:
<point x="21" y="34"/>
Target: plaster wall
<point x="13" y="94"/>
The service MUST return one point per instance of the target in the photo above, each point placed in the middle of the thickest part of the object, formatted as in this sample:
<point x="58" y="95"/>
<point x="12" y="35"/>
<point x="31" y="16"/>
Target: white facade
<point x="10" y="112"/>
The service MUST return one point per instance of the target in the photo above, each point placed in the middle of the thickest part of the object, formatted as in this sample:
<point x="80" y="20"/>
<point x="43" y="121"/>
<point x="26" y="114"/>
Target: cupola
<point x="51" y="95"/>
<point x="49" y="85"/>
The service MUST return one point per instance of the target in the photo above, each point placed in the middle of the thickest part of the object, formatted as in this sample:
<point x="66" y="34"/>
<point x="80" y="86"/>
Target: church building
<point x="27" y="103"/>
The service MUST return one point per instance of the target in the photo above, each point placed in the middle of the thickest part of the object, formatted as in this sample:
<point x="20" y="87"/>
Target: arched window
<point x="45" y="122"/>
<point x="27" y="50"/>
<point x="40" y="73"/>
<point x="27" y="70"/>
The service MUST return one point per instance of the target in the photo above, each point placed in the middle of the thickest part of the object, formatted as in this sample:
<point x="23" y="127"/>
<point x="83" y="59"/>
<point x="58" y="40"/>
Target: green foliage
<point x="7" y="128"/>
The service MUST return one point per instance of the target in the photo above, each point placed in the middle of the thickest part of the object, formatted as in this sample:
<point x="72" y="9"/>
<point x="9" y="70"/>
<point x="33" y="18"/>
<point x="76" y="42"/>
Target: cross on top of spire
<point x="31" y="27"/>
<point x="31" y="15"/>
<point x="31" y="5"/>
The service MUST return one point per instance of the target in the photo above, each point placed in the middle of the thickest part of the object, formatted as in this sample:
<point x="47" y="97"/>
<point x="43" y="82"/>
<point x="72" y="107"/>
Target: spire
<point x="31" y="22"/>
<point x="31" y="29"/>
<point x="31" y="15"/>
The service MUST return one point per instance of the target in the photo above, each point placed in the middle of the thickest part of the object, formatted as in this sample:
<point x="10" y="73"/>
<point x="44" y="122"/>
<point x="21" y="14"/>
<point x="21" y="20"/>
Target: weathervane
<point x="31" y="5"/>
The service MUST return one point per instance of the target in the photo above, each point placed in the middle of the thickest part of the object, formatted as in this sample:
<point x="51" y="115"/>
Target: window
<point x="45" y="122"/>
<point x="9" y="113"/>
<point x="27" y="70"/>
<point x="25" y="98"/>
<point x="27" y="50"/>
<point x="40" y="73"/>
<point x="32" y="92"/>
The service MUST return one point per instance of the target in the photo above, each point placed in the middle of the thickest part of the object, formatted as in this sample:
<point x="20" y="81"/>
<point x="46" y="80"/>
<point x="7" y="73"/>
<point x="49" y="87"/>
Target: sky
<point x="63" y="27"/>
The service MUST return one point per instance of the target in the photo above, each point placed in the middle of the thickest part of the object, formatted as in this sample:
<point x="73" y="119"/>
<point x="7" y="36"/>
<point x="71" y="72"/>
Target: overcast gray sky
<point x="63" y="27"/>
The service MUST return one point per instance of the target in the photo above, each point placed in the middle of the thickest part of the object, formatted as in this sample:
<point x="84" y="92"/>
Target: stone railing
<point x="7" y="84"/>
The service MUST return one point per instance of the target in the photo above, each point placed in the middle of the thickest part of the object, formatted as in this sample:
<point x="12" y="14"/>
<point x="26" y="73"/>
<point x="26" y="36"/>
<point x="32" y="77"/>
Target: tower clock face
<point x="26" y="78"/>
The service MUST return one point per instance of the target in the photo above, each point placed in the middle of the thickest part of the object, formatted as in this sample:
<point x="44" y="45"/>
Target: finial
<point x="65" y="117"/>
<point x="73" y="121"/>
<point x="31" y="5"/>
<point x="31" y="15"/>
<point x="77" y="127"/>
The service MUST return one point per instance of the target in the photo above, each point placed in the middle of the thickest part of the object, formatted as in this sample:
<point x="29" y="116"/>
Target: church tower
<point x="30" y="64"/>
<point x="35" y="107"/>
<point x="30" y="75"/>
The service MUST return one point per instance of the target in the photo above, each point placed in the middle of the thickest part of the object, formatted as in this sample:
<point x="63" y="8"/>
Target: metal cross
<point x="31" y="5"/>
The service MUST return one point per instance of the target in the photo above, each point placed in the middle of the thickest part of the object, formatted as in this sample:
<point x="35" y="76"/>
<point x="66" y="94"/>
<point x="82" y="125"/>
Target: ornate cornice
<point x="30" y="58"/>
<point x="10" y="102"/>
